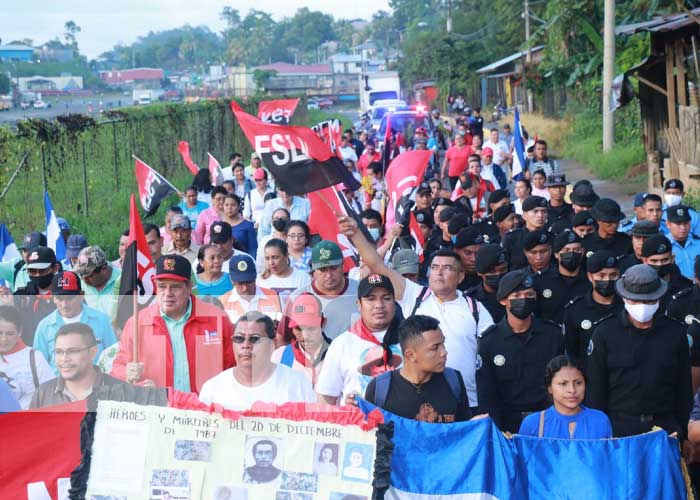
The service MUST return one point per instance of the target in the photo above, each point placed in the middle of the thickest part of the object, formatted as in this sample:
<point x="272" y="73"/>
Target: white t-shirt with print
<point x="351" y="363"/>
<point x="16" y="370"/>
<point x="284" y="386"/>
<point x="457" y="324"/>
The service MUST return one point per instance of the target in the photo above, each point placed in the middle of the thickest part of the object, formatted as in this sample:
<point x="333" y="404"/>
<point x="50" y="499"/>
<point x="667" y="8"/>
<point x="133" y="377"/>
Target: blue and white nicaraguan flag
<point x="519" y="146"/>
<point x="54" y="238"/>
<point x="475" y="461"/>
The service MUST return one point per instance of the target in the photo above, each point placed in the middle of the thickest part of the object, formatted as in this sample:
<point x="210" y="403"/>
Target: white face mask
<point x="642" y="312"/>
<point x="673" y="199"/>
<point x="374" y="233"/>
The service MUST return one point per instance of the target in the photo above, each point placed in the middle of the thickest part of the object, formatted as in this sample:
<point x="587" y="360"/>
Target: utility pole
<point x="448" y="27"/>
<point x="608" y="70"/>
<point x="528" y="56"/>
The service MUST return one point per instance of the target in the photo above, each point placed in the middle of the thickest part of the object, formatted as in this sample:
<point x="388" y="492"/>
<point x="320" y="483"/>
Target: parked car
<point x="321" y="102"/>
<point x="39" y="104"/>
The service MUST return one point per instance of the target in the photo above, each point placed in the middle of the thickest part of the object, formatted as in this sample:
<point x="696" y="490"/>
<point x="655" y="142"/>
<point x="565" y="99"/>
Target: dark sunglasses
<point x="240" y="339"/>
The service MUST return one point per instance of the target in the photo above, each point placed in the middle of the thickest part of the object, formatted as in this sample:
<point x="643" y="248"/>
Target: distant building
<point x="140" y="78"/>
<point x="21" y="53"/>
<point x="55" y="53"/>
<point x="49" y="83"/>
<point x="309" y="79"/>
<point x="501" y="80"/>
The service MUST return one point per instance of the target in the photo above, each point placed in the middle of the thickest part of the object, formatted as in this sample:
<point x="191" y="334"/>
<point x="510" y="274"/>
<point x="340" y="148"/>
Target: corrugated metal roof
<point x="15" y="48"/>
<point x="495" y="65"/>
<point x="670" y="22"/>
<point x="284" y="68"/>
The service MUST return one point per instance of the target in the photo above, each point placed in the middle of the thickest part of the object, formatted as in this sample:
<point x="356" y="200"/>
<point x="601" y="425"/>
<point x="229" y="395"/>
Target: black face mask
<point x="279" y="224"/>
<point x="42" y="281"/>
<point x="492" y="280"/>
<point x="570" y="260"/>
<point x="522" y="308"/>
<point x="606" y="288"/>
<point x="663" y="270"/>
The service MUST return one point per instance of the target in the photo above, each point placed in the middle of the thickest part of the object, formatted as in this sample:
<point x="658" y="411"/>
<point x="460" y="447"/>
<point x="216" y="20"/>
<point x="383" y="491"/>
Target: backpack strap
<point x="419" y="299"/>
<point x="453" y="381"/>
<point x="32" y="365"/>
<point x="540" y="432"/>
<point x="381" y="388"/>
<point x="473" y="306"/>
<point x="18" y="266"/>
<point x="287" y="356"/>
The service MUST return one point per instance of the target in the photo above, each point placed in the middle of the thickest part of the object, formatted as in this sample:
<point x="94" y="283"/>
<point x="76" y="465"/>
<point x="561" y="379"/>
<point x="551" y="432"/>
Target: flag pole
<point x="180" y="193"/>
<point x="135" y="343"/>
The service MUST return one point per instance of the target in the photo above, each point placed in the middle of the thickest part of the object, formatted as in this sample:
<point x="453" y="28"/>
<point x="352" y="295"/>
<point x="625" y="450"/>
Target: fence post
<point x="85" y="181"/>
<point x="116" y="158"/>
<point x="43" y="168"/>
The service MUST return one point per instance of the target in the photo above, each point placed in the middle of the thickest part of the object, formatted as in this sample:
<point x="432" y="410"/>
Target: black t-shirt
<point x="435" y="403"/>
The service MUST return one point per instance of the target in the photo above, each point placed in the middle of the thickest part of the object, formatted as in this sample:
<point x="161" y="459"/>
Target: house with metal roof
<point x="501" y="80"/>
<point x="20" y="53"/>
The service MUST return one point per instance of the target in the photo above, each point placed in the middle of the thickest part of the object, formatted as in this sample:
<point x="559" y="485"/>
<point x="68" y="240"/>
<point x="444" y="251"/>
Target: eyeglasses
<point x="69" y="353"/>
<point x="253" y="339"/>
<point x="296" y="236"/>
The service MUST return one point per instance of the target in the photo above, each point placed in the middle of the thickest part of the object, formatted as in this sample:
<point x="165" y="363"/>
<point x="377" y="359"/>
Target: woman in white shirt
<point x="255" y="199"/>
<point x="22" y="367"/>
<point x="279" y="275"/>
<point x="522" y="190"/>
<point x="538" y="181"/>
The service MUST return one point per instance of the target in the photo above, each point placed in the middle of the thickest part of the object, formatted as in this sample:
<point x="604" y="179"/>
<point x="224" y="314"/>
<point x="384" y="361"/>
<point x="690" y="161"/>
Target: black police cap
<point x="533" y="202"/>
<point x="583" y="218"/>
<point x="566" y="237"/>
<point x="471" y="235"/>
<point x="678" y="213"/>
<point x="600" y="260"/>
<point x="489" y="256"/>
<point x="656" y="245"/>
<point x="500" y="214"/>
<point x="534" y="238"/>
<point x="512" y="282"/>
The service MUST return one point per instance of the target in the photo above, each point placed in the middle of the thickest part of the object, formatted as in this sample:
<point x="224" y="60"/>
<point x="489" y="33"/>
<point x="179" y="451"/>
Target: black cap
<point x="220" y="232"/>
<point x="424" y="186"/>
<point x="471" y="235"/>
<point x="66" y="283"/>
<point x="656" y="245"/>
<point x="40" y="258"/>
<point x="644" y="228"/>
<point x="533" y="202"/>
<point x="556" y="180"/>
<point x="174" y="267"/>
<point x="457" y="222"/>
<point x="514" y="281"/>
<point x="583" y="218"/>
<point x="674" y="184"/>
<point x="443" y="201"/>
<point x="583" y="194"/>
<point x="371" y="282"/>
<point x="607" y="210"/>
<point x="498" y="195"/>
<point x="500" y="214"/>
<point x="447" y="213"/>
<point x="678" y="213"/>
<point x="566" y="237"/>
<point x="600" y="260"/>
<point x="424" y="217"/>
<point x="534" y="238"/>
<point x="489" y="256"/>
<point x="32" y="240"/>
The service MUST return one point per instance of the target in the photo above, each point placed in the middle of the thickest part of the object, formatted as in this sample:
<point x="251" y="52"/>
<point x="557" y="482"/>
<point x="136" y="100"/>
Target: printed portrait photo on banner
<point x="263" y="460"/>
<point x="197" y="451"/>
<point x="326" y="459"/>
<point x="299" y="481"/>
<point x="357" y="462"/>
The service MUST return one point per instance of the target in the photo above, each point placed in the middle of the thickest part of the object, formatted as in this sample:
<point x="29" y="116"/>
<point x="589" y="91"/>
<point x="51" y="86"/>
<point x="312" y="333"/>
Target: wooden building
<point x="668" y="93"/>
<point x="500" y="80"/>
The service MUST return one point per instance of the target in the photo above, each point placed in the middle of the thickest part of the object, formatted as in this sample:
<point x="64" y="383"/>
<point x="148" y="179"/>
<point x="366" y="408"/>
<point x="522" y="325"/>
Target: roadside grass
<point x="552" y="130"/>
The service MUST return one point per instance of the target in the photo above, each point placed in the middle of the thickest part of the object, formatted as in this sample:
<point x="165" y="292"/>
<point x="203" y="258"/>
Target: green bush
<point x="584" y="142"/>
<point x="60" y="149"/>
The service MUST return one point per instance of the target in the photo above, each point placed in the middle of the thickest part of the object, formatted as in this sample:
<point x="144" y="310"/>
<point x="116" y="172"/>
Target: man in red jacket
<point x="182" y="341"/>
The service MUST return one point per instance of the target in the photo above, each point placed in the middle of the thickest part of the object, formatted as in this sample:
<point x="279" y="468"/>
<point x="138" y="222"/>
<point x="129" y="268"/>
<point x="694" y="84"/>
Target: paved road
<point x="84" y="105"/>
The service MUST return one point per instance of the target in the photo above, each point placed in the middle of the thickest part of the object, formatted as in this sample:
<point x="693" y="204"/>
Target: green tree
<point x="71" y="30"/>
<point x="4" y="83"/>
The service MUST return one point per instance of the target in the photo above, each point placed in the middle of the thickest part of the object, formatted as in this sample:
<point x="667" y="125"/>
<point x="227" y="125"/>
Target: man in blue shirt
<point x="298" y="208"/>
<point x="673" y="195"/>
<point x="67" y="293"/>
<point x="686" y="247"/>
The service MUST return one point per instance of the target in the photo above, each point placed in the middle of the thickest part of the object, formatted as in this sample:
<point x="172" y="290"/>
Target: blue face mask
<point x="454" y="239"/>
<point x="374" y="233"/>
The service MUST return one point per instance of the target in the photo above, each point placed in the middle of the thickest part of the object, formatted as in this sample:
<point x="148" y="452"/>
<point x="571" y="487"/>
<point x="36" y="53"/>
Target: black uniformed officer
<point x="491" y="266"/>
<point x="657" y="253"/>
<point x="582" y="313"/>
<point x="440" y="237"/>
<point x="583" y="224"/>
<point x="583" y="196"/>
<point x="559" y="212"/>
<point x="684" y="307"/>
<point x="568" y="252"/>
<point x="638" y="363"/>
<point x="487" y="226"/>
<point x="639" y="233"/>
<point x="505" y="219"/>
<point x="513" y="354"/>
<point x="608" y="215"/>
<point x="466" y="246"/>
<point x="535" y="217"/>
<point x="553" y="288"/>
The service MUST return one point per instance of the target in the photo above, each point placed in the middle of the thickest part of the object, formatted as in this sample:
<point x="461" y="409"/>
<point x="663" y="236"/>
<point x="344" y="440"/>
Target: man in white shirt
<point x="461" y="318"/>
<point x="501" y="150"/>
<point x="255" y="377"/>
<point x="369" y="347"/>
<point x="255" y="199"/>
<point x="347" y="150"/>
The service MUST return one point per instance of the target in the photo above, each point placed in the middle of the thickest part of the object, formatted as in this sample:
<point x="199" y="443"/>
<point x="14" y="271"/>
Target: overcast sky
<point x="105" y="23"/>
